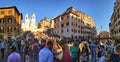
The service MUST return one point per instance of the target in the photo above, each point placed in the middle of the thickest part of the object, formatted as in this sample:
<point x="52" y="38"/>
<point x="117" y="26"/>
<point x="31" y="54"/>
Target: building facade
<point x="74" y="24"/>
<point x="104" y="34"/>
<point x="10" y="22"/>
<point x="30" y="23"/>
<point x="114" y="25"/>
<point x="45" y="24"/>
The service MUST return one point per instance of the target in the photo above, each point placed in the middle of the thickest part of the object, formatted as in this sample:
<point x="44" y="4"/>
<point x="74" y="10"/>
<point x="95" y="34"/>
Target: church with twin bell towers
<point x="30" y="23"/>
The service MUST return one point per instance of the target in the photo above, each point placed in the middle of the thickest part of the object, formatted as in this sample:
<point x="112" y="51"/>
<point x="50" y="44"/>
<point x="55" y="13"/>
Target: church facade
<point x="30" y="23"/>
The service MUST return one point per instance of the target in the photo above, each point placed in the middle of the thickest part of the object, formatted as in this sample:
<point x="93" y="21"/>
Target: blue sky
<point x="100" y="10"/>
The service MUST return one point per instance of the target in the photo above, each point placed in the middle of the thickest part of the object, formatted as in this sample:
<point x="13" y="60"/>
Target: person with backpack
<point x="35" y="49"/>
<point x="27" y="52"/>
<point x="116" y="56"/>
<point x="101" y="53"/>
<point x="66" y="54"/>
<point x="2" y="46"/>
<point x="84" y="51"/>
<point x="74" y="52"/>
<point x="93" y="48"/>
<point x="22" y="45"/>
<point x="57" y="50"/>
<point x="14" y="43"/>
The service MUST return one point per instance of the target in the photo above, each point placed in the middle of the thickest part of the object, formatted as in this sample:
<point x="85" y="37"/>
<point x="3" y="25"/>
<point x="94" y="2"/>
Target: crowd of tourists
<point x="56" y="49"/>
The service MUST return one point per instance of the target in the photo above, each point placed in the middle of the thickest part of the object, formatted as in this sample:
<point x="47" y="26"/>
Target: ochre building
<point x="74" y="24"/>
<point x="10" y="22"/>
<point x="115" y="20"/>
<point x="45" y="24"/>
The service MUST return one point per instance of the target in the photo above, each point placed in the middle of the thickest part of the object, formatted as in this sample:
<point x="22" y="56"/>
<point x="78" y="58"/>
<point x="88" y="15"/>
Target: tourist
<point x="116" y="56"/>
<point x="22" y="45"/>
<point x="2" y="46"/>
<point x="93" y="48"/>
<point x="58" y="52"/>
<point x="35" y="51"/>
<point x="14" y="43"/>
<point x="101" y="52"/>
<point x="74" y="52"/>
<point x="84" y="51"/>
<point x="45" y="54"/>
<point x="66" y="54"/>
<point x="14" y="56"/>
<point x="27" y="53"/>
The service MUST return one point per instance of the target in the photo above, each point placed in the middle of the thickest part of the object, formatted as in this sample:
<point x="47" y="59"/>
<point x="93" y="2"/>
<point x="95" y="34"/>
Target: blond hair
<point x="81" y="45"/>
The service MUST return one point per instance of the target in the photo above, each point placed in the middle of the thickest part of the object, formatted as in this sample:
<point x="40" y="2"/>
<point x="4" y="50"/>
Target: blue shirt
<point x="14" y="43"/>
<point x="102" y="51"/>
<point x="2" y="45"/>
<point x="110" y="48"/>
<point x="45" y="55"/>
<point x="93" y="47"/>
<point x="93" y="52"/>
<point x="14" y="57"/>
